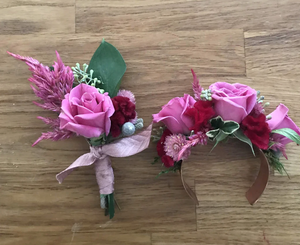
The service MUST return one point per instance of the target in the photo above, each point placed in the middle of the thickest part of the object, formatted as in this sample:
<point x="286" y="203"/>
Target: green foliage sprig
<point x="81" y="76"/>
<point x="174" y="169"/>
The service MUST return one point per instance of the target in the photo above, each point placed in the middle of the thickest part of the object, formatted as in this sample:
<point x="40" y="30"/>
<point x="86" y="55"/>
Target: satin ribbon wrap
<point x="255" y="191"/>
<point x="100" y="157"/>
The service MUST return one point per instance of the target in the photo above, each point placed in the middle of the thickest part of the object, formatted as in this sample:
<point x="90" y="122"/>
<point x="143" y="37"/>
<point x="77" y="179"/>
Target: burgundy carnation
<point x="124" y="112"/>
<point x="257" y="130"/>
<point x="167" y="161"/>
<point x="201" y="112"/>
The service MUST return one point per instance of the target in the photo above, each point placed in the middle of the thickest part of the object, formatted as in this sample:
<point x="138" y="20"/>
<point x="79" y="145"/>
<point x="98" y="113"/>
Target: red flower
<point x="161" y="143"/>
<point x="201" y="112"/>
<point x="167" y="161"/>
<point x="124" y="111"/>
<point x="257" y="130"/>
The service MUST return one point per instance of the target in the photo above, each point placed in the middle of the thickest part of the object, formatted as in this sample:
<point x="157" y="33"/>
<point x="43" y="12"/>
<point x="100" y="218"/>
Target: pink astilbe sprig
<point x="196" y="86"/>
<point x="199" y="138"/>
<point x="49" y="85"/>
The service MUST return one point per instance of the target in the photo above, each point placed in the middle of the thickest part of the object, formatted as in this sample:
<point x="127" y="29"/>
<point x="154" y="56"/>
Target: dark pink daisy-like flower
<point x="173" y="146"/>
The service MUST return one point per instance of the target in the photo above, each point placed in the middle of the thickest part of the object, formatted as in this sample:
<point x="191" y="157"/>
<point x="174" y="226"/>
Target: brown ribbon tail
<point x="260" y="184"/>
<point x="188" y="190"/>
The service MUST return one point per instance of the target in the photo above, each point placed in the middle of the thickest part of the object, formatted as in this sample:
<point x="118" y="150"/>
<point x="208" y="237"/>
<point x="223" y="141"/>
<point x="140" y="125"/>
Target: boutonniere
<point x="88" y="102"/>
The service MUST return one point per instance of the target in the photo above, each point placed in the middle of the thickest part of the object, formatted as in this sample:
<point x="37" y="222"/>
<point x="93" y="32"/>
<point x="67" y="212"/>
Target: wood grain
<point x="232" y="237"/>
<point x="177" y="15"/>
<point x="252" y="42"/>
<point x="273" y="53"/>
<point x="34" y="16"/>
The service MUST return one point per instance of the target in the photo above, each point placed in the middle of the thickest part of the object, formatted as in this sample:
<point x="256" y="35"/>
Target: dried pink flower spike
<point x="197" y="139"/>
<point x="56" y="134"/>
<point x="196" y="86"/>
<point x="50" y="86"/>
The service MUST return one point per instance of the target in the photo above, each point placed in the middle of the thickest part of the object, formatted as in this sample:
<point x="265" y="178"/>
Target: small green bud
<point x="85" y="66"/>
<point x="257" y="92"/>
<point x="269" y="117"/>
<point x="266" y="104"/>
<point x="261" y="98"/>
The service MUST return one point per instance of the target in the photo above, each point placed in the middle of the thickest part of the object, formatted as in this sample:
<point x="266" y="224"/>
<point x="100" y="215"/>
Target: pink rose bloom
<point x="86" y="112"/>
<point x="173" y="115"/>
<point x="279" y="120"/>
<point x="233" y="101"/>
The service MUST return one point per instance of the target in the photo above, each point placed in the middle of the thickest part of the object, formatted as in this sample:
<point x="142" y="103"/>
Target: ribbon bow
<point x="100" y="157"/>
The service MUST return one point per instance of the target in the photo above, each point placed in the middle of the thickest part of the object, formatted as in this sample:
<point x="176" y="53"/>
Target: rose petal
<point x="76" y="103"/>
<point x="189" y="101"/>
<point x="229" y="110"/>
<point x="171" y="123"/>
<point x="93" y="120"/>
<point x="277" y="116"/>
<point x="89" y="101"/>
<point x="66" y="107"/>
<point x="84" y="130"/>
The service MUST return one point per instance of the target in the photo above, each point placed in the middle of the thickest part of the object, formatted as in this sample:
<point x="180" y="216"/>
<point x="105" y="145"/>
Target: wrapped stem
<point x="105" y="179"/>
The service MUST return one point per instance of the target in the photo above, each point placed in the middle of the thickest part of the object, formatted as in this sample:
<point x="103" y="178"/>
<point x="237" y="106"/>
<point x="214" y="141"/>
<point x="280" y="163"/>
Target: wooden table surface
<point x="256" y="42"/>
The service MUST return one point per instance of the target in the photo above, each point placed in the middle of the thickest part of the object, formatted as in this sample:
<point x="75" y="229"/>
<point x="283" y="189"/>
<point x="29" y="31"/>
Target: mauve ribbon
<point x="100" y="157"/>
<point x="255" y="191"/>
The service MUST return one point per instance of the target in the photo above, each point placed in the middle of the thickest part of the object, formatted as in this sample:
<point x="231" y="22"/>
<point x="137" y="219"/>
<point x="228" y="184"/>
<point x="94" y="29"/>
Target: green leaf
<point x="101" y="140"/>
<point x="289" y="133"/>
<point x="155" y="160"/>
<point x="212" y="133"/>
<point x="221" y="136"/>
<point x="230" y="127"/>
<point x="217" y="122"/>
<point x="109" y="67"/>
<point x="242" y="137"/>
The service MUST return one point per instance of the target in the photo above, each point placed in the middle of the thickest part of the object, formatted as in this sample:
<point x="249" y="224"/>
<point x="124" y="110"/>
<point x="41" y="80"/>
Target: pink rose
<point x="233" y="101"/>
<point x="279" y="120"/>
<point x="86" y="112"/>
<point x="173" y="115"/>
